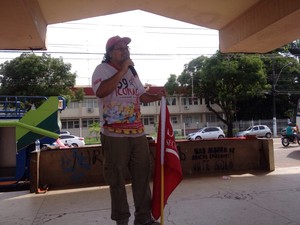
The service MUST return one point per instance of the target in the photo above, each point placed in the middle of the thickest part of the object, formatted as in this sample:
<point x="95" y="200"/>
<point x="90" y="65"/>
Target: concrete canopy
<point x="243" y="25"/>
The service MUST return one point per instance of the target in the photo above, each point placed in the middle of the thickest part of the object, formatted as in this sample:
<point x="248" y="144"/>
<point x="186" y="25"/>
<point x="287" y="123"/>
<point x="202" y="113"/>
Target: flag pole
<point x="162" y="196"/>
<point x="162" y="158"/>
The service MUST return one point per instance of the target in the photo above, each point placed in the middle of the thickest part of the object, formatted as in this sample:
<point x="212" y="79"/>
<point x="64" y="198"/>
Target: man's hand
<point x="146" y="97"/>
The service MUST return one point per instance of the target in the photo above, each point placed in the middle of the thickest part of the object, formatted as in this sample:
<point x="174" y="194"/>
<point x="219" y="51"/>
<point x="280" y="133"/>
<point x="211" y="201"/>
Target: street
<point x="286" y="156"/>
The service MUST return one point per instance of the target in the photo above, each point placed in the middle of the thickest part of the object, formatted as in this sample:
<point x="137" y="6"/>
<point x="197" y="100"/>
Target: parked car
<point x="58" y="144"/>
<point x="150" y="139"/>
<point x="54" y="145"/>
<point x="206" y="133"/>
<point x="72" y="140"/>
<point x="75" y="141"/>
<point x="257" y="130"/>
<point x="64" y="132"/>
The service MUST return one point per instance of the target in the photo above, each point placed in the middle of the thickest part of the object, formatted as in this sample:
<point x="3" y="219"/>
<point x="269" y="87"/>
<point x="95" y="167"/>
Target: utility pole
<point x="274" y="83"/>
<point x="274" y="103"/>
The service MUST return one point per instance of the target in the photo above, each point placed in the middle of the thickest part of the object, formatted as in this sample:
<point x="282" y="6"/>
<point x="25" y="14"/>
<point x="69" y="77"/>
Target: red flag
<point x="167" y="157"/>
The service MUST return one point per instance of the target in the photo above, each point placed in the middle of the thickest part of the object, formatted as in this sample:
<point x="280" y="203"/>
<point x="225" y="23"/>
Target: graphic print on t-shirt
<point x="121" y="112"/>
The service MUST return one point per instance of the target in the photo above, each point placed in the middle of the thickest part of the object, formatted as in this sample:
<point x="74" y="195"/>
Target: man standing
<point x="119" y="92"/>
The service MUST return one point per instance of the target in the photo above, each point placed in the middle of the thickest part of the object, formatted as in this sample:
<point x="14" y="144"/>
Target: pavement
<point x="248" y="199"/>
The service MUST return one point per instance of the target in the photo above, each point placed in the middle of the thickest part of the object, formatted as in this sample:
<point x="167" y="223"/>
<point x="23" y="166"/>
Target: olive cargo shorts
<point x="124" y="156"/>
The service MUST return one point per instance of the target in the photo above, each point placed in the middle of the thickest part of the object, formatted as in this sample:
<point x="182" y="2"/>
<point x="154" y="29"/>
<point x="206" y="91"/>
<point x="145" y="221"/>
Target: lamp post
<point x="192" y="85"/>
<point x="274" y="96"/>
<point x="192" y="82"/>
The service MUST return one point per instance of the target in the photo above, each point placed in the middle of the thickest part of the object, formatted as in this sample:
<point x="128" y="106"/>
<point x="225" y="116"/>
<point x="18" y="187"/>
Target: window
<point x="148" y="120"/>
<point x="171" y="101"/>
<point x="211" y="118"/>
<point x="211" y="129"/>
<point x="148" y="104"/>
<point x="261" y="127"/>
<point x="174" y="119"/>
<point x="69" y="124"/>
<point x="195" y="101"/>
<point x="73" y="105"/>
<point x="63" y="125"/>
<point x="88" y="122"/>
<point x="184" y="101"/>
<point x="145" y="104"/>
<point x="89" y="103"/>
<point x="188" y="120"/>
<point x="189" y="101"/>
<point x="84" y="123"/>
<point x="66" y="136"/>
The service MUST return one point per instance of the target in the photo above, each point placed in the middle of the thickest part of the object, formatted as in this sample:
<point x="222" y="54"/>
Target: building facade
<point x="187" y="114"/>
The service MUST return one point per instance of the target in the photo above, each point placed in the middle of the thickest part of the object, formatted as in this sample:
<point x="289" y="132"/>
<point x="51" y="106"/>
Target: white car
<point x="206" y="133"/>
<point x="72" y="140"/>
<point x="257" y="130"/>
<point x="63" y="132"/>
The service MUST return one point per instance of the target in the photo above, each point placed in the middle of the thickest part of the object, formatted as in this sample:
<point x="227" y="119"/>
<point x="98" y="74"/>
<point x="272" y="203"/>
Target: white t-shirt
<point x="120" y="114"/>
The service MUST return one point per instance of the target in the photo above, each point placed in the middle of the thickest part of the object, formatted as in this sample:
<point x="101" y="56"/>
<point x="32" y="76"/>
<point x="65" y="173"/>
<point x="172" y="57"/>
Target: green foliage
<point x="32" y="75"/>
<point x="172" y="85"/>
<point x="94" y="129"/>
<point x="190" y="75"/>
<point x="228" y="78"/>
<point x="241" y="84"/>
<point x="92" y="141"/>
<point x="283" y="71"/>
<point x="223" y="79"/>
<point x="78" y="95"/>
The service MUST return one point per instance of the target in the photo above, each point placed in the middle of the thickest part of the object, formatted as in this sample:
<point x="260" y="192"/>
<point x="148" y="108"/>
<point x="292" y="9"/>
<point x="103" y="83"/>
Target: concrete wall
<point x="78" y="167"/>
<point x="8" y="147"/>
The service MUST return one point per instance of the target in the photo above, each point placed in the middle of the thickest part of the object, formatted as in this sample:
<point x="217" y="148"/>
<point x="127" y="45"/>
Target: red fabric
<point x="172" y="167"/>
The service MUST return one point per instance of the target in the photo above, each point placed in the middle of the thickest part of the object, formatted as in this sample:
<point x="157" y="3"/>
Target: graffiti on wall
<point x="212" y="159"/>
<point x="78" y="163"/>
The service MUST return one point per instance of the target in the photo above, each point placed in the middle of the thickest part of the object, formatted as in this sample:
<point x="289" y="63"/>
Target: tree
<point x="186" y="83"/>
<point x="78" y="94"/>
<point x="94" y="128"/>
<point x="172" y="85"/>
<point x="283" y="71"/>
<point x="228" y="78"/>
<point x="282" y="67"/>
<point x="32" y="75"/>
<point x="294" y="48"/>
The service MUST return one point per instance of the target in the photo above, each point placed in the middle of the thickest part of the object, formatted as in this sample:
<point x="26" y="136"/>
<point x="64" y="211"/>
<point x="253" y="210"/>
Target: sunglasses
<point x="125" y="48"/>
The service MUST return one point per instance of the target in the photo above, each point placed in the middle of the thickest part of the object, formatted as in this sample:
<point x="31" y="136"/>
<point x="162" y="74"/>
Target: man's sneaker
<point x="150" y="222"/>
<point x="122" y="223"/>
<point x="153" y="222"/>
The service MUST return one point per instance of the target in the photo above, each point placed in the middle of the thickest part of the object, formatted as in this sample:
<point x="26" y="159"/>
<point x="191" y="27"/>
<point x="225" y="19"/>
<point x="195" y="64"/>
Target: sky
<point x="160" y="46"/>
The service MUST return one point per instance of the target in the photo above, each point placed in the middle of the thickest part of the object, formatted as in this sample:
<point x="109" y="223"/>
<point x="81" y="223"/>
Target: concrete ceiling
<point x="243" y="25"/>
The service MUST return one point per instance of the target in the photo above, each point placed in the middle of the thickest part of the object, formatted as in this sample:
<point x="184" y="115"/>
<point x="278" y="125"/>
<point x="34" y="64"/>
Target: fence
<point x="244" y="124"/>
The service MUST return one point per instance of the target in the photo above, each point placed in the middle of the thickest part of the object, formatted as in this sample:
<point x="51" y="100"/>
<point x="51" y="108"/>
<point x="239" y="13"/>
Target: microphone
<point x="133" y="71"/>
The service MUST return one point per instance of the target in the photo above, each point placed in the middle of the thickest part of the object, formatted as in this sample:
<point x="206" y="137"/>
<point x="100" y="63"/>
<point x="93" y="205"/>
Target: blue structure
<point x="21" y="123"/>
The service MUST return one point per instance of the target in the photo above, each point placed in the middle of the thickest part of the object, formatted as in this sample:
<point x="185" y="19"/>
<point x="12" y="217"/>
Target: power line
<point x="89" y="55"/>
<point x="85" y="25"/>
<point x="101" y="54"/>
